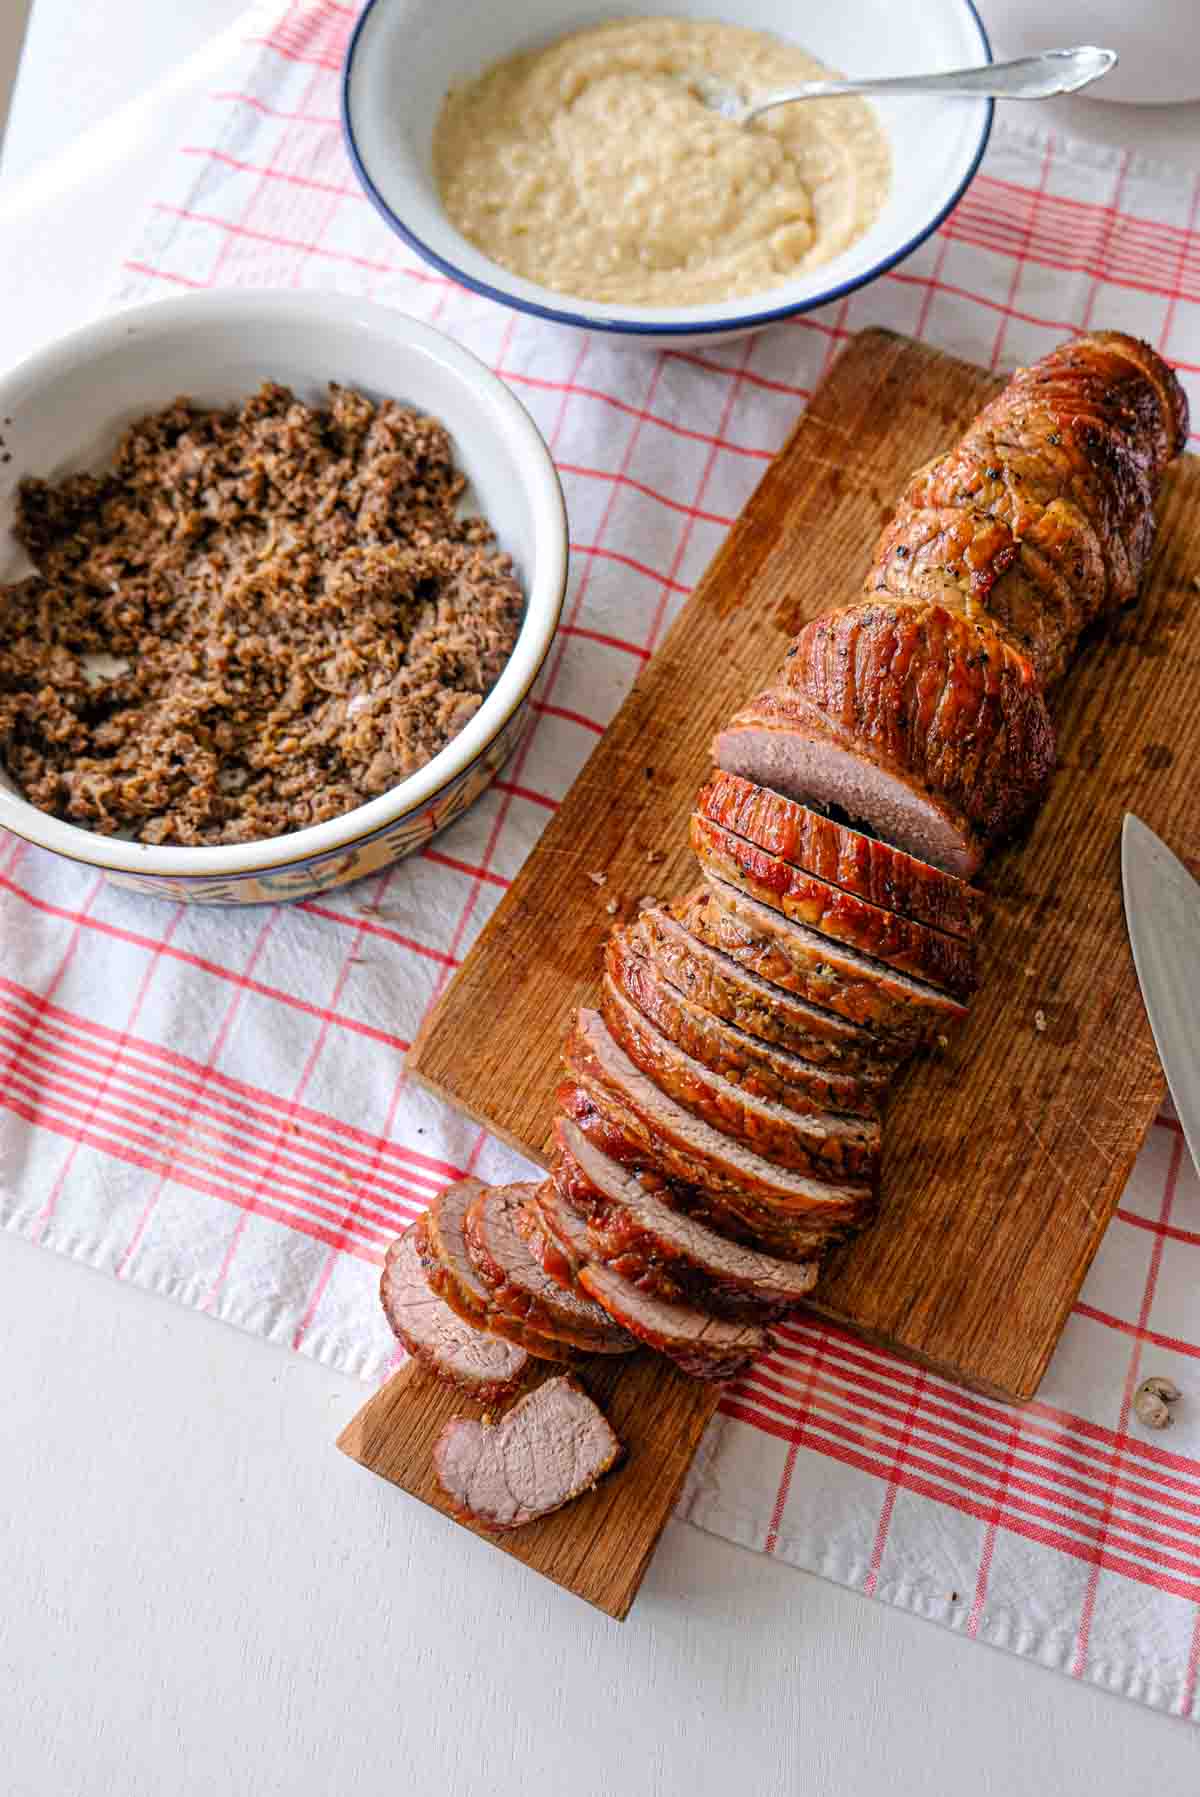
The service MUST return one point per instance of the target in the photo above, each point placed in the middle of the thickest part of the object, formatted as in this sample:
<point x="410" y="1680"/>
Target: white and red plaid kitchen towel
<point x="212" y="1104"/>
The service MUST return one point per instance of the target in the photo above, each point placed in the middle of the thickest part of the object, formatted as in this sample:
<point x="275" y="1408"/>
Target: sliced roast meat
<point x="929" y="955"/>
<point x="719" y="1126"/>
<point x="497" y="1245"/>
<point x="483" y="1365"/>
<point x="451" y="1275"/>
<point x="664" y="1251"/>
<point x="1173" y="421"/>
<point x="615" y="1238"/>
<point x="757" y="1067"/>
<point x="823" y="1144"/>
<point x="1070" y="455"/>
<point x="673" y="1175"/>
<point x="1057" y="411"/>
<point x="550" y="1447"/>
<point x="1113" y="383"/>
<point x="561" y="1243"/>
<point x="860" y="864"/>
<point x="702" y="973"/>
<point x="979" y="478"/>
<point x="973" y="564"/>
<point x="703" y="1345"/>
<point x="1034" y="480"/>
<point x="902" y="1012"/>
<point x="780" y="742"/>
<point x="690" y="1149"/>
<point x="933" y="698"/>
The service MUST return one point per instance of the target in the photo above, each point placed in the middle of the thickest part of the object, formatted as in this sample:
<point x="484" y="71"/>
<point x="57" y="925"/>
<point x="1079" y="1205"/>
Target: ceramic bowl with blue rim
<point x="64" y="410"/>
<point x="405" y="54"/>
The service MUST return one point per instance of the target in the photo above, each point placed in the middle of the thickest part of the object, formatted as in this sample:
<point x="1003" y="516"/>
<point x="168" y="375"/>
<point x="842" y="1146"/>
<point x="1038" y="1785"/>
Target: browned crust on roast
<point x="442" y="1261"/>
<point x="822" y="1145"/>
<point x="927" y="693"/>
<point x="760" y="1068"/>
<point x="486" y="1391"/>
<point x="974" y="564"/>
<point x="1069" y="457"/>
<point x="721" y="1165"/>
<point x="1119" y="381"/>
<point x="798" y="727"/>
<point x="699" y="1360"/>
<point x="928" y="955"/>
<point x="861" y="864"/>
<point x="1029" y="474"/>
<point x="702" y="972"/>
<point x="654" y="1259"/>
<point x="613" y="1242"/>
<point x="678" y="1179"/>
<point x="902" y="1018"/>
<point x="564" y="1319"/>
<point x="701" y="1343"/>
<point x="981" y="480"/>
<point x="1172" y="398"/>
<point x="555" y="1257"/>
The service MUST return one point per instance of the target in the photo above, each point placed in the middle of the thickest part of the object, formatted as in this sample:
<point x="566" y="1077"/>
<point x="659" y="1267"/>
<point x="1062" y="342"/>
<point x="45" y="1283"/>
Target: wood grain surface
<point x="1004" y="1157"/>
<point x="598" y="1546"/>
<point x="1006" y="1153"/>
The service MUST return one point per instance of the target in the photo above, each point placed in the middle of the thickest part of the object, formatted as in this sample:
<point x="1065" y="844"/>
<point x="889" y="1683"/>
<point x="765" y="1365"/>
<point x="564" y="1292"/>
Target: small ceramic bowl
<point x="64" y="409"/>
<point x="405" y="54"/>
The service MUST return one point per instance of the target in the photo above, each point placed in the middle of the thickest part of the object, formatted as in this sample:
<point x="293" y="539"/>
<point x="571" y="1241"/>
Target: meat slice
<point x="710" y="978"/>
<point x="902" y="1011"/>
<point x="929" y="955"/>
<point x="823" y="1144"/>
<point x="674" y="1176"/>
<point x="757" y="1067"/>
<point x="703" y="1345"/>
<point x="873" y="870"/>
<point x="550" y="1447"/>
<point x="483" y="1365"/>
<point x="934" y="698"/>
<point x="451" y="1275"/>
<point x="495" y="1235"/>
<point x="780" y="742"/>
<point x="616" y="1239"/>
<point x="663" y="1251"/>
<point x="692" y="1150"/>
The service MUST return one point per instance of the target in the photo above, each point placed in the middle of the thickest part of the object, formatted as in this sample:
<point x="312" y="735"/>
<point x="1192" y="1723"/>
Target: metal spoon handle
<point x="1028" y="78"/>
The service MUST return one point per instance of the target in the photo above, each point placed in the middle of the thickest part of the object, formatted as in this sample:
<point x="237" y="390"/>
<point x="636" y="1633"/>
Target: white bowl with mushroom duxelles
<point x="279" y="574"/>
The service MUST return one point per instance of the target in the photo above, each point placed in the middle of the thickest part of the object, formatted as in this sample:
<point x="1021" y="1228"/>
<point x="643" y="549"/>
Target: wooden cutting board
<point x="1006" y="1155"/>
<point x="599" y="1546"/>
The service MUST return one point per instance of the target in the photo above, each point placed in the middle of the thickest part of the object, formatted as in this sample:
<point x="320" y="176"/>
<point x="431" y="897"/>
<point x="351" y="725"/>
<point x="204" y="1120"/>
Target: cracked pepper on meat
<point x="260" y="619"/>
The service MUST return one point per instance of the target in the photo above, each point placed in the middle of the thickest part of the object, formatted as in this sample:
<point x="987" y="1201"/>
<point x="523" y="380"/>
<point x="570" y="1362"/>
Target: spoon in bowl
<point x="1028" y="78"/>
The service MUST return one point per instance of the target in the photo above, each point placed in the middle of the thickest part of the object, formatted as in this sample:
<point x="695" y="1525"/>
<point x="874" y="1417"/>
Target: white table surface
<point x="201" y="1596"/>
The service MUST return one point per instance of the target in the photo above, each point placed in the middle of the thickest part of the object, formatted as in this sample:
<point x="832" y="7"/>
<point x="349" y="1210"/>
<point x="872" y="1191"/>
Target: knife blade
<point x="1162" y="915"/>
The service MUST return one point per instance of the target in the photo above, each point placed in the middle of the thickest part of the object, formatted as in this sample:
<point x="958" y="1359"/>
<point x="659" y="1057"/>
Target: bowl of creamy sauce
<point x="594" y="166"/>
<point x="569" y="167"/>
